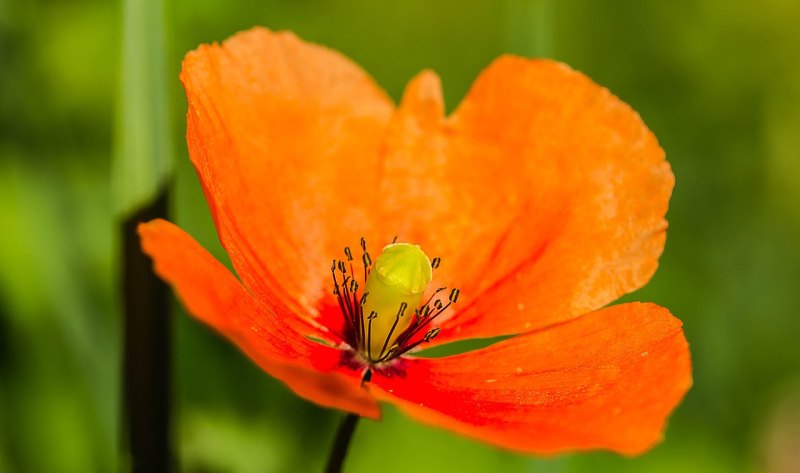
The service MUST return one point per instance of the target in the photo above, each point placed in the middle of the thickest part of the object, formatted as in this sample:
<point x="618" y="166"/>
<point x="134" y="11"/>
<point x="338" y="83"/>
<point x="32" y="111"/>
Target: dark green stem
<point x="147" y="351"/>
<point x="343" y="437"/>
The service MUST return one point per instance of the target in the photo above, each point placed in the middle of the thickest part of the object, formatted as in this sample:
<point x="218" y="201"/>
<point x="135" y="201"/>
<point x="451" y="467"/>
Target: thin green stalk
<point x="529" y="29"/>
<point x="342" y="443"/>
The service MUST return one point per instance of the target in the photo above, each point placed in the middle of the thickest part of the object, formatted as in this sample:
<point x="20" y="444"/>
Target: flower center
<point x="389" y="318"/>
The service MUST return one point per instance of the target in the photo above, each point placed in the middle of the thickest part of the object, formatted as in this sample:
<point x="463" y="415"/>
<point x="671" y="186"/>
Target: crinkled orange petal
<point x="606" y="380"/>
<point x="543" y="194"/>
<point x="212" y="294"/>
<point x="285" y="137"/>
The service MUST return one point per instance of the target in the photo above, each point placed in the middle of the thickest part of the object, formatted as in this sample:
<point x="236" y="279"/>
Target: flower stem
<point x="147" y="348"/>
<point x="343" y="437"/>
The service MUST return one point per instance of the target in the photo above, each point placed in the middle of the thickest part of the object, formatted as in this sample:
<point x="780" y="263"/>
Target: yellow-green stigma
<point x="387" y="319"/>
<point x="395" y="286"/>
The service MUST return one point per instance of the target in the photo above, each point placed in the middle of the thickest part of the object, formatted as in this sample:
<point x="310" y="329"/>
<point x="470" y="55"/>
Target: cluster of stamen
<point x="358" y="325"/>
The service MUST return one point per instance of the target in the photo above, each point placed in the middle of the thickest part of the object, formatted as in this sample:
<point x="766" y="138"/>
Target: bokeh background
<point x="717" y="81"/>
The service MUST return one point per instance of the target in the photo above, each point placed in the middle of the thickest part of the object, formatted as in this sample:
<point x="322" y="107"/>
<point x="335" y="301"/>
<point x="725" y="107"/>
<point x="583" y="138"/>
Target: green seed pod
<point x="394" y="290"/>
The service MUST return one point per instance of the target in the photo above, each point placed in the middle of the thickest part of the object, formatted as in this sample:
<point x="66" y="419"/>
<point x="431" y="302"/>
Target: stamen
<point x="418" y="326"/>
<point x="434" y="295"/>
<point x="400" y="313"/>
<point x="372" y="316"/>
<point x="432" y="334"/>
<point x="425" y="311"/>
<point x="346" y="297"/>
<point x="454" y="295"/>
<point x="367" y="263"/>
<point x="389" y="354"/>
<point x="360" y="341"/>
<point x="402" y="274"/>
<point x="337" y="293"/>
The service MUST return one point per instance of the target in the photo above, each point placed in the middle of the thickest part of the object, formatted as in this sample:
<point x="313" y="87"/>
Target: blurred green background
<point x="718" y="82"/>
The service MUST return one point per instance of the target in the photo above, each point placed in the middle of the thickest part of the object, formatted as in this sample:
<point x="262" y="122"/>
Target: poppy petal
<point x="543" y="194"/>
<point x="606" y="380"/>
<point x="284" y="136"/>
<point x="213" y="295"/>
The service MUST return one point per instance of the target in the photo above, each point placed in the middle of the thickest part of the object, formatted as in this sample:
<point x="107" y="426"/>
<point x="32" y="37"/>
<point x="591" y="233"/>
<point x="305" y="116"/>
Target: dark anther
<point x="372" y="315"/>
<point x="402" y="310"/>
<point x="333" y="266"/>
<point x="425" y="311"/>
<point x="394" y="240"/>
<point x="342" y="267"/>
<point x="364" y="298"/>
<point x="435" y="262"/>
<point x="438" y="304"/>
<point x="454" y="295"/>
<point x="348" y="253"/>
<point x="366" y="259"/>
<point x="432" y="334"/>
<point x="353" y="285"/>
<point x="363" y="244"/>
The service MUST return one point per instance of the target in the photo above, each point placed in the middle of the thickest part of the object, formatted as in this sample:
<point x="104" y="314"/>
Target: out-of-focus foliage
<point x="718" y="82"/>
<point x="143" y="139"/>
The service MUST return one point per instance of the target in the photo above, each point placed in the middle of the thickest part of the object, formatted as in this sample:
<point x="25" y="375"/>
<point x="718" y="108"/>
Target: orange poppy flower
<point x="543" y="195"/>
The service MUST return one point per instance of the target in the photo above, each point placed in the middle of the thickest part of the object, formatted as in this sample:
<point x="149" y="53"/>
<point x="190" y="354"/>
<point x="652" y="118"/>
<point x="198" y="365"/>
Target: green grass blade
<point x="142" y="159"/>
